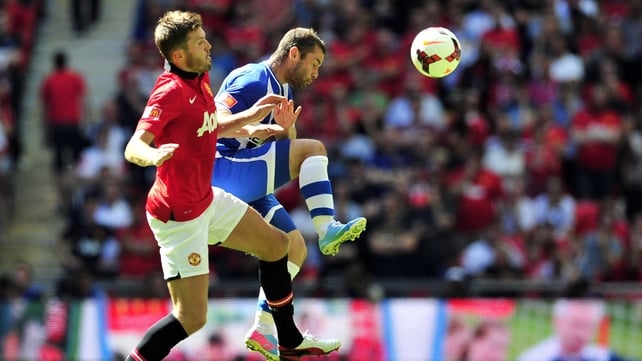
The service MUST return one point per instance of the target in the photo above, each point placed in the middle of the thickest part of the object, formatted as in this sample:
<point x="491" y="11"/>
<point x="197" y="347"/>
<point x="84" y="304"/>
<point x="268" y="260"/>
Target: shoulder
<point x="250" y="76"/>
<point x="167" y="85"/>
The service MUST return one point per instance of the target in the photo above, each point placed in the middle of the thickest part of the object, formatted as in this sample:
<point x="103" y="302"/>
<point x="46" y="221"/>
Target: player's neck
<point x="182" y="73"/>
<point x="276" y="67"/>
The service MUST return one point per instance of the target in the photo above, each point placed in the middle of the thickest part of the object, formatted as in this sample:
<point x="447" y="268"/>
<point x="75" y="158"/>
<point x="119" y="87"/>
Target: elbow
<point x="129" y="153"/>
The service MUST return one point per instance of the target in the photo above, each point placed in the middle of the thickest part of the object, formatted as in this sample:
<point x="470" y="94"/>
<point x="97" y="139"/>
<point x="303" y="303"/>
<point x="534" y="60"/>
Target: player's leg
<point x="261" y="337"/>
<point x="184" y="257"/>
<point x="308" y="160"/>
<point x="250" y="233"/>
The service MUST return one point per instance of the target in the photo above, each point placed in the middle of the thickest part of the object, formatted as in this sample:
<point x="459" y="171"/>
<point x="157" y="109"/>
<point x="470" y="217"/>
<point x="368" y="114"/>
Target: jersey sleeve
<point x="239" y="95"/>
<point x="162" y="106"/>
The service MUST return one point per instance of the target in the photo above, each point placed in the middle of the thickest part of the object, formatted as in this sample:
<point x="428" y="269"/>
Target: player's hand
<point x="285" y="115"/>
<point x="163" y="153"/>
<point x="263" y="131"/>
<point x="265" y="105"/>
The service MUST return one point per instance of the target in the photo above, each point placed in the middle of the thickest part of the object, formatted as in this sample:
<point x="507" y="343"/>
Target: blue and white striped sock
<point x="317" y="191"/>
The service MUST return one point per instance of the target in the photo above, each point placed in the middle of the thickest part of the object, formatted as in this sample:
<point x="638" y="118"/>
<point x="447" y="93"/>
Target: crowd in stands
<point x="18" y="20"/>
<point x="525" y="163"/>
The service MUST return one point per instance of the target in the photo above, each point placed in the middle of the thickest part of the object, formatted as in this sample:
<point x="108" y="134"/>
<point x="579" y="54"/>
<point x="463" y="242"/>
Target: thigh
<point x="274" y="213"/>
<point x="253" y="173"/>
<point x="252" y="234"/>
<point x="183" y="247"/>
<point x="189" y="300"/>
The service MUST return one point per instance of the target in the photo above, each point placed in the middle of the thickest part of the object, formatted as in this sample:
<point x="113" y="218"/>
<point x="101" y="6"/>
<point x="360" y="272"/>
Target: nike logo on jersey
<point x="191" y="101"/>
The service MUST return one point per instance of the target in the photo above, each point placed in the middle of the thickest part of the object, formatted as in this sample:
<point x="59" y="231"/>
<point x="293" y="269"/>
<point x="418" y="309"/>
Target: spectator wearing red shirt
<point x="477" y="190"/>
<point x="63" y="94"/>
<point x="544" y="156"/>
<point x="596" y="129"/>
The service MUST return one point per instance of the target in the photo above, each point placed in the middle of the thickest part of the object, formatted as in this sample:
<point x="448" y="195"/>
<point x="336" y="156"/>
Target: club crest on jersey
<point x="209" y="90"/>
<point x="229" y="100"/>
<point x="209" y="124"/>
<point x="151" y="113"/>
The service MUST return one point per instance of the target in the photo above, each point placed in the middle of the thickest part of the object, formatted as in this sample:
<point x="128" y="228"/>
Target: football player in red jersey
<point x="177" y="133"/>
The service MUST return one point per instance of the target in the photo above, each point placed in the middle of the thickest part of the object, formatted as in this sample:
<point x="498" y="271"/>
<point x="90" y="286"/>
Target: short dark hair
<point x="305" y="39"/>
<point x="172" y="30"/>
<point x="60" y="59"/>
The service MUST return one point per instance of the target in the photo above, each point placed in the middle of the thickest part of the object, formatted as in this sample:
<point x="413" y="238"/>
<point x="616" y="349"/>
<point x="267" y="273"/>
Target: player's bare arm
<point x="140" y="152"/>
<point x="229" y="124"/>
<point x="259" y="131"/>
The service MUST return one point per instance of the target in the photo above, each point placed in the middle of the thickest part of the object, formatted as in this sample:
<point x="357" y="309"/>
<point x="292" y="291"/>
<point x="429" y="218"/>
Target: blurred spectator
<point x="634" y="257"/>
<point x="78" y="285"/>
<point x="87" y="246"/>
<point x="100" y="157"/>
<point x="63" y="94"/>
<point x="84" y="14"/>
<point x="477" y="190"/>
<point x="555" y="207"/>
<point x="139" y="255"/>
<point x="596" y="129"/>
<point x="516" y="211"/>
<point x="544" y="156"/>
<point x="601" y="252"/>
<point x="113" y="209"/>
<point x="481" y="253"/>
<point x="22" y="278"/>
<point x="415" y="109"/>
<point x="470" y="127"/>
<point x="394" y="238"/>
<point x="130" y="101"/>
<point x="6" y="167"/>
<point x="504" y="156"/>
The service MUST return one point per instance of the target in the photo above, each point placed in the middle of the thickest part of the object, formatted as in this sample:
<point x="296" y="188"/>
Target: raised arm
<point x="140" y="152"/>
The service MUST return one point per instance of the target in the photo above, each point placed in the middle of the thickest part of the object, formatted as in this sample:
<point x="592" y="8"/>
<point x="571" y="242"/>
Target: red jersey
<point x="476" y="204"/>
<point x="181" y="110"/>
<point x="596" y="155"/>
<point x="62" y="93"/>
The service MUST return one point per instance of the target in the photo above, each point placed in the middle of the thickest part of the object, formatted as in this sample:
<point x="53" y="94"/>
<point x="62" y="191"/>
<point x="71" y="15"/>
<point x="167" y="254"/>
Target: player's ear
<point x="294" y="53"/>
<point x="177" y="55"/>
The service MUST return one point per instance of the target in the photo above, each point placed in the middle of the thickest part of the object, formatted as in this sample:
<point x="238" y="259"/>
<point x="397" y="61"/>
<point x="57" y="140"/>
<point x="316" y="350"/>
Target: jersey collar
<point x="180" y="72"/>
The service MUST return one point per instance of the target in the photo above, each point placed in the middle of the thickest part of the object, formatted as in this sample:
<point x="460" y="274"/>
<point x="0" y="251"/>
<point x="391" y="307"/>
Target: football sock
<point x="263" y="317"/>
<point x="159" y="340"/>
<point x="277" y="285"/>
<point x="317" y="191"/>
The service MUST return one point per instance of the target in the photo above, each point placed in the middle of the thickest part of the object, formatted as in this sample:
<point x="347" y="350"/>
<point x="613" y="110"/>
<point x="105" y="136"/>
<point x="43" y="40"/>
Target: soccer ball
<point x="435" y="52"/>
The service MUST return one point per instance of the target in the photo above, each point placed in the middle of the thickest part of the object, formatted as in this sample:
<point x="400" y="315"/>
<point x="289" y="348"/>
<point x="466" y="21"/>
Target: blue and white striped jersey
<point x="240" y="90"/>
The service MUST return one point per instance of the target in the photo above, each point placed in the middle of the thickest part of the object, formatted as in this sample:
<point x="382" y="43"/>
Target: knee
<point x="279" y="246"/>
<point x="298" y="250"/>
<point x="314" y="147"/>
<point x="192" y="320"/>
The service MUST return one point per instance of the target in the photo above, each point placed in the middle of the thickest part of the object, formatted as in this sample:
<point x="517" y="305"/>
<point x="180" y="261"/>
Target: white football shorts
<point x="184" y="245"/>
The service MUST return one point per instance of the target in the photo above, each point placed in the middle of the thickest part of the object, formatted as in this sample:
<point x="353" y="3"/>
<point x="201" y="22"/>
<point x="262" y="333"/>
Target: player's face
<point x="198" y="57"/>
<point x="306" y="69"/>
